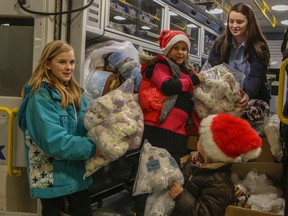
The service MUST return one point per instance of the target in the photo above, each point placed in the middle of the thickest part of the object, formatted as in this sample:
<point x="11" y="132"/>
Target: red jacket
<point x="151" y="99"/>
<point x="158" y="83"/>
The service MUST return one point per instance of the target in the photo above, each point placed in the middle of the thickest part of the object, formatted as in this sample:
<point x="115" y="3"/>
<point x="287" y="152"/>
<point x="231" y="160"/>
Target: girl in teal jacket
<point x="51" y="118"/>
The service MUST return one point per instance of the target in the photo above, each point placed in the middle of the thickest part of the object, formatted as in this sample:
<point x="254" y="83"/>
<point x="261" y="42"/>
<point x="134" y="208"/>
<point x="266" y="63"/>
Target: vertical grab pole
<point x="284" y="121"/>
<point x="10" y="113"/>
<point x="281" y="92"/>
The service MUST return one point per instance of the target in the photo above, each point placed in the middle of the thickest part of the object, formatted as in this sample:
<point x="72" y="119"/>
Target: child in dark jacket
<point x="208" y="188"/>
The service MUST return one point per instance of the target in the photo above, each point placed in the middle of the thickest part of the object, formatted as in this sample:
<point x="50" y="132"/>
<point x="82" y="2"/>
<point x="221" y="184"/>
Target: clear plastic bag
<point x="115" y="124"/>
<point x="96" y="53"/>
<point x="272" y="132"/>
<point x="219" y="92"/>
<point x="218" y="72"/>
<point x="125" y="66"/>
<point x="91" y="60"/>
<point x="262" y="194"/>
<point x="156" y="170"/>
<point x="159" y="203"/>
<point x="266" y="203"/>
<point x="96" y="84"/>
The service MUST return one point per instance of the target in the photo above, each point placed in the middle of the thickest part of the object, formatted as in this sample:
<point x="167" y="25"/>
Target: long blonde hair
<point x="70" y="93"/>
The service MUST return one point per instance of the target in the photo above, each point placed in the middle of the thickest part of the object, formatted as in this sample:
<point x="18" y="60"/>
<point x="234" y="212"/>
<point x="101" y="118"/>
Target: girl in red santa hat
<point x="165" y="93"/>
<point x="165" y="96"/>
<point x="224" y="139"/>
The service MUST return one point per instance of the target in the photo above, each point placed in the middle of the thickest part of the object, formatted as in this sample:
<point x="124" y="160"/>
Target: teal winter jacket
<point x="55" y="143"/>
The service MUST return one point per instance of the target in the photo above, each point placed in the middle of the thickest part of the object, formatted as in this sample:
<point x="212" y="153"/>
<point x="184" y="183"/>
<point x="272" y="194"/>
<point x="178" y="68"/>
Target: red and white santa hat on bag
<point x="226" y="138"/>
<point x="168" y="38"/>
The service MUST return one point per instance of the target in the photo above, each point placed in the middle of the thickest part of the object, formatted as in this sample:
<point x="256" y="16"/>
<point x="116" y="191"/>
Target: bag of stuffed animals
<point x="156" y="170"/>
<point x="219" y="92"/>
<point x="115" y="124"/>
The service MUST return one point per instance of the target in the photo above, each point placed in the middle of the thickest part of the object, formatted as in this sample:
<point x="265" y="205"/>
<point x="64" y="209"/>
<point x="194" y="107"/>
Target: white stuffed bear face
<point x="91" y="119"/>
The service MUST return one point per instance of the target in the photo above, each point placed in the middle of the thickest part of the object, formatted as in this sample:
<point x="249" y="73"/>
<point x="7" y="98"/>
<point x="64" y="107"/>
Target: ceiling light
<point x="280" y="7"/>
<point x="215" y="11"/>
<point x="284" y="22"/>
<point x="171" y="13"/>
<point x="191" y="25"/>
<point x="145" y="27"/>
<point x="119" y="18"/>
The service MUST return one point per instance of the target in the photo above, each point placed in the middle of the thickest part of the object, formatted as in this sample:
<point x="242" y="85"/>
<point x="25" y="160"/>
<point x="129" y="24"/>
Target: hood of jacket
<point x="22" y="110"/>
<point x="146" y="59"/>
<point x="149" y="60"/>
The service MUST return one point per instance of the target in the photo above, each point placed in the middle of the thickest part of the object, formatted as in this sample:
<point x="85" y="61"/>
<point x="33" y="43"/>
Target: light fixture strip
<point x="264" y="10"/>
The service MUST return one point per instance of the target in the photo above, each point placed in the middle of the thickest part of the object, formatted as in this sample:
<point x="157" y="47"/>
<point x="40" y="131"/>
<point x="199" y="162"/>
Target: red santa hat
<point x="226" y="138"/>
<point x="168" y="38"/>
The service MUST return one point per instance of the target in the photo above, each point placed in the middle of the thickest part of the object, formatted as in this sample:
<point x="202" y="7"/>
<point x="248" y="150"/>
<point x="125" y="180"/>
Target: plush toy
<point x="95" y="163"/>
<point x="257" y="111"/>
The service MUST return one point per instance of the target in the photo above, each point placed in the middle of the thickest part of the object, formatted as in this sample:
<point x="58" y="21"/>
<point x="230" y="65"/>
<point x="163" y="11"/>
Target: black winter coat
<point x="208" y="190"/>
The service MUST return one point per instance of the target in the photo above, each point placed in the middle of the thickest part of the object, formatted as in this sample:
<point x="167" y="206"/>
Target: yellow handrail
<point x="281" y="92"/>
<point x="225" y="6"/>
<point x="127" y="3"/>
<point x="10" y="113"/>
<point x="266" y="12"/>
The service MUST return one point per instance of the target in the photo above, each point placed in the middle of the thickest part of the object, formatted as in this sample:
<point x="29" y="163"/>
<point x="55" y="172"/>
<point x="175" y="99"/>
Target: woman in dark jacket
<point x="245" y="49"/>
<point x="208" y="188"/>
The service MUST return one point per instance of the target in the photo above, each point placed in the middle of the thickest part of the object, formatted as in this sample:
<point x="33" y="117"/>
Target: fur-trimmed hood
<point x="148" y="59"/>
